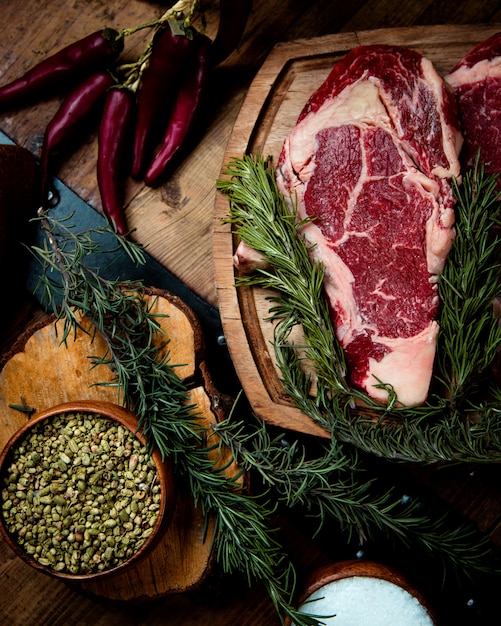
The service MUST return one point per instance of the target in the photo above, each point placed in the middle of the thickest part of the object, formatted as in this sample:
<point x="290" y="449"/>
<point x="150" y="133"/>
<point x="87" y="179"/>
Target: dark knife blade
<point x="117" y="265"/>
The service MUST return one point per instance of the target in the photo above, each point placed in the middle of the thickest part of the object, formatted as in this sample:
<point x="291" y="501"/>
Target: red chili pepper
<point x="156" y="93"/>
<point x="114" y="150"/>
<point x="233" y="16"/>
<point x="71" y="117"/>
<point x="91" y="53"/>
<point x="185" y="111"/>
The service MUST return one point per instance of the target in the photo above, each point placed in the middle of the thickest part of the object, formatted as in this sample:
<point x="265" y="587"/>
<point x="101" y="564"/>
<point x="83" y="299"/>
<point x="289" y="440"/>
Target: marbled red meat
<point x="370" y="159"/>
<point x="476" y="82"/>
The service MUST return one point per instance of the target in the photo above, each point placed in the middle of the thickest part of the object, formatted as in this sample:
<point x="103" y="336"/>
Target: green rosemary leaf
<point x="268" y="226"/>
<point x="455" y="424"/>
<point x="471" y="334"/>
<point x="244" y="540"/>
<point x="334" y="485"/>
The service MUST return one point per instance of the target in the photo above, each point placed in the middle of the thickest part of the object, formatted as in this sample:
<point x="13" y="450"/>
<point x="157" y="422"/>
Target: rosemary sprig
<point x="245" y="539"/>
<point x="471" y="335"/>
<point x="264" y="221"/>
<point x="117" y="310"/>
<point x="440" y="429"/>
<point x="430" y="433"/>
<point x="334" y="484"/>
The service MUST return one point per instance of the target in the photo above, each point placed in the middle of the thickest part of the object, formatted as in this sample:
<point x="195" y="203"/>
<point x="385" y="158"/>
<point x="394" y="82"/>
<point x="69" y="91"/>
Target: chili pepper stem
<point x="181" y="8"/>
<point x="131" y="72"/>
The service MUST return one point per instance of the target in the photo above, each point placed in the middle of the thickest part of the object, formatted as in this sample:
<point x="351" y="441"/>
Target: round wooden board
<point x="291" y="73"/>
<point x="40" y="372"/>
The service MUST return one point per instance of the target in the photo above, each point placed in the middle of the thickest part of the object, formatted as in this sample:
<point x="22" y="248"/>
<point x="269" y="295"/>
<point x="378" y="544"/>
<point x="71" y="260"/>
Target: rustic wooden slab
<point x="41" y="372"/>
<point x="276" y="97"/>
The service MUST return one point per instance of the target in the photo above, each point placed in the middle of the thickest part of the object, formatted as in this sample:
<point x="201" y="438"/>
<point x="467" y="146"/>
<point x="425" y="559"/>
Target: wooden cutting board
<point x="39" y="372"/>
<point x="291" y="73"/>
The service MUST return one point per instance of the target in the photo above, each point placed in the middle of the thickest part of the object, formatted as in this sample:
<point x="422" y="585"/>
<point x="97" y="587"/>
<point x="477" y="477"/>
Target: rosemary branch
<point x="454" y="424"/>
<point x="334" y="484"/>
<point x="264" y="221"/>
<point x="470" y="335"/>
<point x="245" y="540"/>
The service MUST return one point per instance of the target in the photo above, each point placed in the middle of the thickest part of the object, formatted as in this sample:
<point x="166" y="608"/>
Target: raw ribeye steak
<point x="476" y="82"/>
<point x="370" y="159"/>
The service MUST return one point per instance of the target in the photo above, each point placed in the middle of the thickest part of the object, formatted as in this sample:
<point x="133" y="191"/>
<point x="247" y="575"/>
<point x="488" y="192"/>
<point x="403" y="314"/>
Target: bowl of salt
<point x="364" y="593"/>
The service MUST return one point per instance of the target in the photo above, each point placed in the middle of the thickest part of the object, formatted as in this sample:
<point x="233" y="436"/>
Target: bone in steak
<point x="371" y="158"/>
<point x="476" y="82"/>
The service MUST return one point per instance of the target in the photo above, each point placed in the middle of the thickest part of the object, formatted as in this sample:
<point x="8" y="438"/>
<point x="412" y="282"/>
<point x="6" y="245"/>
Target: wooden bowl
<point x="93" y="533"/>
<point x="372" y="593"/>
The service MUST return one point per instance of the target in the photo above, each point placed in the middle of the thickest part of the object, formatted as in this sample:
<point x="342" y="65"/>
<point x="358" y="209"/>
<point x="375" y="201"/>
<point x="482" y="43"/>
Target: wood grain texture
<point x="183" y="204"/>
<point x="176" y="222"/>
<point x="41" y="372"/>
<point x="290" y="74"/>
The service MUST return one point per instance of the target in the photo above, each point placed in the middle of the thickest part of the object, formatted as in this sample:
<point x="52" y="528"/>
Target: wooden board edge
<point x="244" y="130"/>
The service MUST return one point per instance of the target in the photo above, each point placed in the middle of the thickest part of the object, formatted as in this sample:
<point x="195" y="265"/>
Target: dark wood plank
<point x="176" y="223"/>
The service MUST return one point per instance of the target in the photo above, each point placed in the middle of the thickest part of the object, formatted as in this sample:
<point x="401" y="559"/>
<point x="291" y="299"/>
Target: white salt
<point x="366" y="601"/>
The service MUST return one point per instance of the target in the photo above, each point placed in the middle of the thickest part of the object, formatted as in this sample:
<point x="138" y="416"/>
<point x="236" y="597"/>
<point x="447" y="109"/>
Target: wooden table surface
<point x="175" y="222"/>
